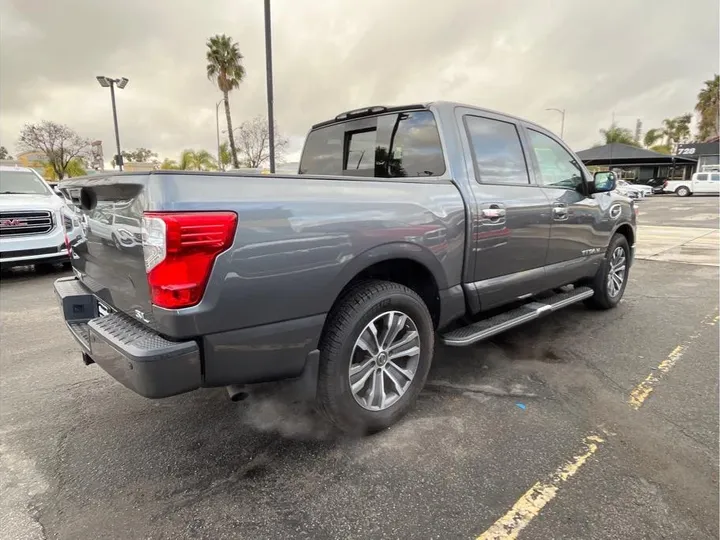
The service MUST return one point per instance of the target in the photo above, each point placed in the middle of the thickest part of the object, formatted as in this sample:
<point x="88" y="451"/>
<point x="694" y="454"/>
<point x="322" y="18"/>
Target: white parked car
<point x="37" y="227"/>
<point x="700" y="183"/>
<point x="634" y="191"/>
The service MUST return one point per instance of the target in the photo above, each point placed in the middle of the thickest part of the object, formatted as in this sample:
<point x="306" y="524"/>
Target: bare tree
<point x="254" y="142"/>
<point x="57" y="141"/>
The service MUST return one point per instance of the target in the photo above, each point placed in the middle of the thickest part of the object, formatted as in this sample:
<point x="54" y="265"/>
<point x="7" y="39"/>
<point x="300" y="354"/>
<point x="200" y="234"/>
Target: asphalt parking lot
<point x="580" y="425"/>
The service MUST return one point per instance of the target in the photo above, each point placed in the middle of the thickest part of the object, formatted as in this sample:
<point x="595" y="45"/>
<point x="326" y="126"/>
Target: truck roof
<point x="440" y="105"/>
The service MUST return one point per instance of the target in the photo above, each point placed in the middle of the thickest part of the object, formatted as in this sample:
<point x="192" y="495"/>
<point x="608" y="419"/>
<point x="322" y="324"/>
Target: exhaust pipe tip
<point x="237" y="392"/>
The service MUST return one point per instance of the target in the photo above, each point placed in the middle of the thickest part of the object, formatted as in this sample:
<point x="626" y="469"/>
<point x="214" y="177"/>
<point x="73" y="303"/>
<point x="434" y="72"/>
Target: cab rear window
<point x="405" y="144"/>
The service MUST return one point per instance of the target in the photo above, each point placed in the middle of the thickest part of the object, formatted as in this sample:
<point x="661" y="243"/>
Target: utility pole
<point x="268" y="76"/>
<point x="562" y="121"/>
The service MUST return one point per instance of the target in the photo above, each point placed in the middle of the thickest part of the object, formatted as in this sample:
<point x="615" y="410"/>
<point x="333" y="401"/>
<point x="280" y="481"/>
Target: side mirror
<point x="604" y="181"/>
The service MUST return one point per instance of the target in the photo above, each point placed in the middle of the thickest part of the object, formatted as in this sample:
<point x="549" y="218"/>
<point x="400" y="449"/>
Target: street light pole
<point x="117" y="131"/>
<point x="106" y="82"/>
<point x="268" y="76"/>
<point x="217" y="127"/>
<point x="562" y="122"/>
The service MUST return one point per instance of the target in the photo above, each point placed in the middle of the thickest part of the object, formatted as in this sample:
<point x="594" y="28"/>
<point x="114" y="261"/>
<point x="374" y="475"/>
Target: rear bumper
<point x="140" y="359"/>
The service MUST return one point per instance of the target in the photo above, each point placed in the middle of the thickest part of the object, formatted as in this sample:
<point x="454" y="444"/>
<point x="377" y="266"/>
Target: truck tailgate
<point x="109" y="260"/>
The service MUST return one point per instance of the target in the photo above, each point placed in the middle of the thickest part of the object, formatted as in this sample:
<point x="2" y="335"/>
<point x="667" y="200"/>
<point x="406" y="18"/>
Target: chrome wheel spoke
<point x="407" y="339"/>
<point x="380" y="384"/>
<point x="408" y="375"/>
<point x="373" y="331"/>
<point x="394" y="325"/>
<point x="355" y="369"/>
<point x="399" y="389"/>
<point x="360" y="383"/>
<point x="412" y="351"/>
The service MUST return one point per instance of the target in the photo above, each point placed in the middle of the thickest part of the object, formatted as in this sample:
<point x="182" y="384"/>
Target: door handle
<point x="493" y="212"/>
<point x="560" y="212"/>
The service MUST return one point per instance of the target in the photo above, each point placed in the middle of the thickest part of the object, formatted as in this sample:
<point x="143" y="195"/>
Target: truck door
<point x="701" y="183"/>
<point x="511" y="223"/>
<point x="715" y="182"/>
<point x="581" y="224"/>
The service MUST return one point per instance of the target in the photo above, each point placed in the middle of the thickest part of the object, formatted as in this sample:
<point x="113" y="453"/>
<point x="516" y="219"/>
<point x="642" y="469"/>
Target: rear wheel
<point x="682" y="191"/>
<point x="611" y="279"/>
<point x="375" y="354"/>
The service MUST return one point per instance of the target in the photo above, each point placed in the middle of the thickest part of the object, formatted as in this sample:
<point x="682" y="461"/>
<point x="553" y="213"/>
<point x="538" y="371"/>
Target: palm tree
<point x="708" y="107"/>
<point x="225" y="157"/>
<point x="196" y="160"/>
<point x="652" y="137"/>
<point x="224" y="67"/>
<point x="615" y="134"/>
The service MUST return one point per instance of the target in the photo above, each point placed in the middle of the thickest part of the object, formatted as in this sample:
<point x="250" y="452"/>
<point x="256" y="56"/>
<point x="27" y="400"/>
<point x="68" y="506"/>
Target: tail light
<point x="665" y="183"/>
<point x="179" y="251"/>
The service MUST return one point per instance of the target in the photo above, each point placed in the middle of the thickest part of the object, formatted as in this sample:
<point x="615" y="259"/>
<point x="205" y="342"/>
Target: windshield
<point x="22" y="183"/>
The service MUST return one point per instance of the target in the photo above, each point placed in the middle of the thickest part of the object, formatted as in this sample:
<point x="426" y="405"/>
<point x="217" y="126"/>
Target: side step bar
<point x="467" y="335"/>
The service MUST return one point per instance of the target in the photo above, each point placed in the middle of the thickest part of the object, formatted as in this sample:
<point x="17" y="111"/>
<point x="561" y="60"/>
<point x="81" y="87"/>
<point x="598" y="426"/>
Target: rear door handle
<point x="494" y="212"/>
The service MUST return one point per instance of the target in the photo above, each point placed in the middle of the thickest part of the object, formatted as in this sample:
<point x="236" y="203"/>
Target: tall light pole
<point x="562" y="122"/>
<point x="217" y="126"/>
<point x="268" y="76"/>
<point x="121" y="83"/>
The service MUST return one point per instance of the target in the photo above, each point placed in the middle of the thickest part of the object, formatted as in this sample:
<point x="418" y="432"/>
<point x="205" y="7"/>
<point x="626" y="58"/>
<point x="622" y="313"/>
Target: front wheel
<point x="375" y="355"/>
<point x="611" y="279"/>
<point x="682" y="191"/>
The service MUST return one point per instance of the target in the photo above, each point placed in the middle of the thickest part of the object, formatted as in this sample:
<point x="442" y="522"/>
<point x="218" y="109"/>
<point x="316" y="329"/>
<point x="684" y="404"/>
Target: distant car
<point x="657" y="185"/>
<point x="634" y="191"/>
<point x="702" y="183"/>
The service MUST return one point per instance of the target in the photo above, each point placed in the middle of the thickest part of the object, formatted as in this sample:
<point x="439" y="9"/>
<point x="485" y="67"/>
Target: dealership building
<point x="706" y="154"/>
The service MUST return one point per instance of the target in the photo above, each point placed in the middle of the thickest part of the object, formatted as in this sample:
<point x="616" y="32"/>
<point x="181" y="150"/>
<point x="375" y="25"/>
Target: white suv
<point x="36" y="225"/>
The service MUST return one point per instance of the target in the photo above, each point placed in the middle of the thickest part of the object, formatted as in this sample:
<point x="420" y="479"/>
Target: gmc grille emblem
<point x="12" y="222"/>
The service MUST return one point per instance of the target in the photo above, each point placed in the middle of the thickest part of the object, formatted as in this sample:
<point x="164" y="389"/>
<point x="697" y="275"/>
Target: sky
<point x="594" y="58"/>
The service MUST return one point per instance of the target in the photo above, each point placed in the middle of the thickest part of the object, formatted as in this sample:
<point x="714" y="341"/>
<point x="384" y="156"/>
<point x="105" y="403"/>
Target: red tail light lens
<point x="180" y="249"/>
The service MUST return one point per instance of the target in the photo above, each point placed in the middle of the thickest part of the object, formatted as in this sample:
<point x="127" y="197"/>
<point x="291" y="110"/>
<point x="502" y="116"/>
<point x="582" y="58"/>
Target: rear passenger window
<point x="715" y="177"/>
<point x="406" y="144"/>
<point x="497" y="151"/>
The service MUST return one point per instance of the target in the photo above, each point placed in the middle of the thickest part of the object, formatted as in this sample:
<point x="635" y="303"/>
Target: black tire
<point x="44" y="268"/>
<point x="682" y="191"/>
<point x="602" y="299"/>
<point x="356" y="309"/>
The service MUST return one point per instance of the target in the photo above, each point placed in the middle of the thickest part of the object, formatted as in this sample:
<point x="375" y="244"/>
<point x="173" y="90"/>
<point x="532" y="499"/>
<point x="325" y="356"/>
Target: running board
<point x="467" y="335"/>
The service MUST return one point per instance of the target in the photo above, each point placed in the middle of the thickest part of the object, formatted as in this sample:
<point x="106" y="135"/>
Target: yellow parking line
<point x="534" y="500"/>
<point x="641" y="392"/>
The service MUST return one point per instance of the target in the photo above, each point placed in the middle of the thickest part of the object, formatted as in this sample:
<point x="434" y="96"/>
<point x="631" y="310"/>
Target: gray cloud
<point x="638" y="59"/>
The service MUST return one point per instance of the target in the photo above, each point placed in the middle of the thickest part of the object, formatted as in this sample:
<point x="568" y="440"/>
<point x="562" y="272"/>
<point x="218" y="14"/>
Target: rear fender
<point x="385" y="252"/>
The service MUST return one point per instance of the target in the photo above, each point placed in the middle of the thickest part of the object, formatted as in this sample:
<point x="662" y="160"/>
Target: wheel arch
<point x="408" y="264"/>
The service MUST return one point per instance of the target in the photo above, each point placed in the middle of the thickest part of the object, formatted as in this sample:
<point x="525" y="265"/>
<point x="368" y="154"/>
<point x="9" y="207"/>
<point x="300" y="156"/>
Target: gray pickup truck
<point x="404" y="225"/>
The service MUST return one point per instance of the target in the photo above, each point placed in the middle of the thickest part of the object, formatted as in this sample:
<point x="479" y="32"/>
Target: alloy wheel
<point x="617" y="272"/>
<point x="384" y="360"/>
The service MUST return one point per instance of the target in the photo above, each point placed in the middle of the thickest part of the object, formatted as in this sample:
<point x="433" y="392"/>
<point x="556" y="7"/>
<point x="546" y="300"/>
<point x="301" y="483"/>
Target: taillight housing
<point x="179" y="250"/>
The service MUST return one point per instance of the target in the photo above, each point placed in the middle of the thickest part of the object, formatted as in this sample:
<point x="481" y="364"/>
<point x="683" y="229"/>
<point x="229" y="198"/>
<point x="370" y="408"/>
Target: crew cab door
<point x="511" y="223"/>
<point x="703" y="183"/>
<point x="581" y="224"/>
